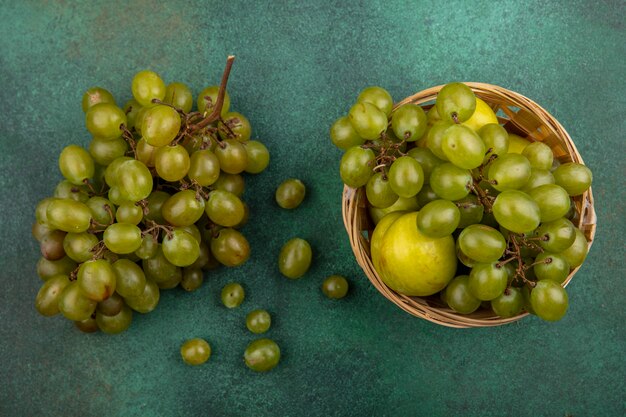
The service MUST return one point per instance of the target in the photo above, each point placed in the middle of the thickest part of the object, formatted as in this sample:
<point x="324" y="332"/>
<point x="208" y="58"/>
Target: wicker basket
<point x="519" y="115"/>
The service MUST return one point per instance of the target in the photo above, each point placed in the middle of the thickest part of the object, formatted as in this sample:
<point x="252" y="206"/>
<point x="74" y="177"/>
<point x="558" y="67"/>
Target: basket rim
<point x="417" y="306"/>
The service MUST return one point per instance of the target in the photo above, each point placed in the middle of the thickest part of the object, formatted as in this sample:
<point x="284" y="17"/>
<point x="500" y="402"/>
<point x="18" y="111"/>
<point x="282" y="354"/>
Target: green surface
<point x="299" y="66"/>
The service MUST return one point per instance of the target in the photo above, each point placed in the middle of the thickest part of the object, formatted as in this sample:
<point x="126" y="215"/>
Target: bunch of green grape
<point x="154" y="200"/>
<point x="507" y="201"/>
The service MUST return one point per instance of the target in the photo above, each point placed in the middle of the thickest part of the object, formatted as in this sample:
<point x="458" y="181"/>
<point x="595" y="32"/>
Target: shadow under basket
<point x="519" y="115"/>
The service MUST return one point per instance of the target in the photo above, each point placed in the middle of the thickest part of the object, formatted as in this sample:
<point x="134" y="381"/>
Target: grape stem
<point x="154" y="229"/>
<point x="128" y="137"/>
<point x="219" y="103"/>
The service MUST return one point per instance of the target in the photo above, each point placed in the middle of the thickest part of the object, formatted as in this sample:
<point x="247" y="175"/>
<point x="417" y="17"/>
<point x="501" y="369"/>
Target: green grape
<point x="409" y="122"/>
<point x="69" y="191"/>
<point x="207" y="99"/>
<point x="179" y="96"/>
<point x="195" y="351"/>
<point x="574" y="178"/>
<point x="509" y="304"/>
<point x="406" y="177"/>
<point x="147" y="300"/>
<point x="105" y="151"/>
<point x="577" y="252"/>
<point x="74" y="305"/>
<point x="487" y="281"/>
<point x="204" y="167"/>
<point x="463" y="147"/>
<point x="433" y="115"/>
<point x="456" y="102"/>
<point x="258" y="321"/>
<point x="516" y="211"/>
<point x="122" y="238"/>
<point x="111" y="306"/>
<point x="368" y="120"/>
<point x="471" y="211"/>
<point x="539" y="155"/>
<point x="130" y="278"/>
<point x="335" y="287"/>
<point x="117" y="323"/>
<point x="141" y="113"/>
<point x="145" y="153"/>
<point x="434" y="138"/>
<point x="488" y="219"/>
<point x="47" y="300"/>
<point x="549" y="300"/>
<point x="233" y="183"/>
<point x="427" y="160"/>
<point x="482" y="243"/>
<point x="134" y="180"/>
<point x="343" y="135"/>
<point x="459" y="297"/>
<point x="87" y="326"/>
<point x="79" y="246"/>
<point x="156" y="199"/>
<point x="379" y="192"/>
<point x="193" y="230"/>
<point x="68" y="215"/>
<point x="425" y="196"/>
<point x="160" y="125"/>
<point x="97" y="182"/>
<point x="258" y="157"/>
<point x="41" y="211"/>
<point x="509" y="172"/>
<point x="552" y="200"/>
<point x="451" y="182"/>
<point x="402" y="204"/>
<point x="39" y="231"/>
<point x="232" y="156"/>
<point x="356" y="166"/>
<point x="290" y="193"/>
<point x="183" y="208"/>
<point x="233" y="295"/>
<point x="172" y="162"/>
<point x="104" y="120"/>
<point x="115" y="196"/>
<point x="47" y="269"/>
<point x="96" y="95"/>
<point x="230" y="247"/>
<point x="377" y="96"/>
<point x="262" y="355"/>
<point x="172" y="282"/>
<point x="147" y="86"/>
<point x="203" y="259"/>
<point x="224" y="208"/>
<point x="180" y="248"/>
<point x="192" y="278"/>
<point x="96" y="279"/>
<point x="495" y="138"/>
<point x="552" y="266"/>
<point x="110" y="173"/>
<point x="159" y="268"/>
<point x="51" y="245"/>
<point x="128" y="212"/>
<point x="538" y="177"/>
<point x="234" y="126"/>
<point x="438" y="218"/>
<point x="76" y="164"/>
<point x="295" y="258"/>
<point x="559" y="235"/>
<point x="148" y="248"/>
<point x="132" y="108"/>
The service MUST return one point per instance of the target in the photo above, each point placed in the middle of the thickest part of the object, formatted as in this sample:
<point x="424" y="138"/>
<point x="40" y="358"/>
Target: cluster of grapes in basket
<point x="506" y="201"/>
<point x="154" y="201"/>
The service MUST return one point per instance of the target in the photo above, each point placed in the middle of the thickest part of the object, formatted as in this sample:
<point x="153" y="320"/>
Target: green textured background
<point x="299" y="66"/>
